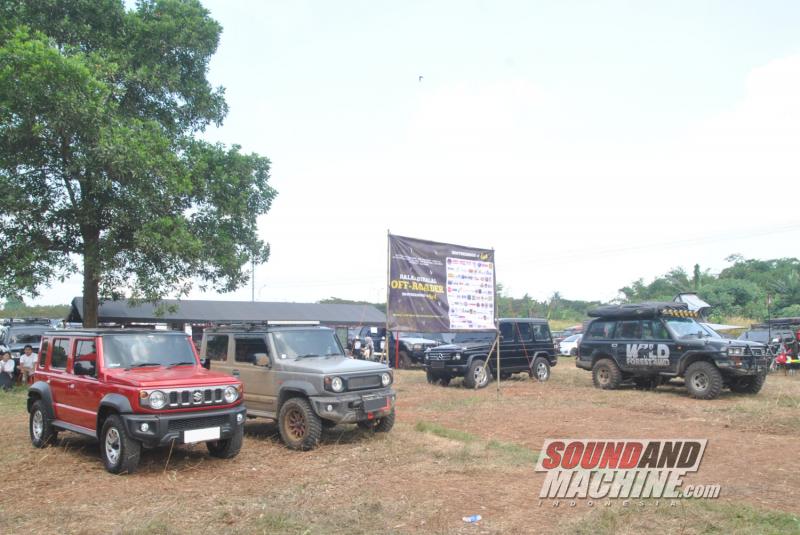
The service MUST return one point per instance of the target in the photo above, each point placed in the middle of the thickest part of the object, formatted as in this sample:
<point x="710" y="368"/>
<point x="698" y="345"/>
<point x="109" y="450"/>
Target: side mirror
<point x="262" y="359"/>
<point x="206" y="363"/>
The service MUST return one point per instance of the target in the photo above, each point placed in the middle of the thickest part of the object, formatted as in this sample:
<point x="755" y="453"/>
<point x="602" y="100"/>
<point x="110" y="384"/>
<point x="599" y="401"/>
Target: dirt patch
<point x="454" y="452"/>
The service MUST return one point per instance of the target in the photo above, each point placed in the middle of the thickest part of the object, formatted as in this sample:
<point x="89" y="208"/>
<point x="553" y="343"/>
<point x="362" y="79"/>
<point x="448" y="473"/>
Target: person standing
<point x="6" y="371"/>
<point x="27" y="363"/>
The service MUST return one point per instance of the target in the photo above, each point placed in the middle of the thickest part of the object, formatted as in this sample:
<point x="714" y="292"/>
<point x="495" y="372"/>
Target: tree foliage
<point x="740" y="289"/>
<point x="99" y="160"/>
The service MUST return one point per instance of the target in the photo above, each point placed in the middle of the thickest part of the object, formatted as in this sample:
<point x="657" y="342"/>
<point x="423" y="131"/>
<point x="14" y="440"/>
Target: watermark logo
<point x="622" y="469"/>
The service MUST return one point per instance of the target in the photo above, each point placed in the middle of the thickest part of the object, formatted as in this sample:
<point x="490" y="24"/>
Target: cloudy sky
<point x="588" y="143"/>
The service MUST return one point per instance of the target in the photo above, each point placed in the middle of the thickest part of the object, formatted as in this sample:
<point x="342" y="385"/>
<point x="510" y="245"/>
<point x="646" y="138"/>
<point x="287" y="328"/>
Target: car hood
<point x="452" y="348"/>
<point x="423" y="341"/>
<point x="723" y="343"/>
<point x="177" y="377"/>
<point x="331" y="365"/>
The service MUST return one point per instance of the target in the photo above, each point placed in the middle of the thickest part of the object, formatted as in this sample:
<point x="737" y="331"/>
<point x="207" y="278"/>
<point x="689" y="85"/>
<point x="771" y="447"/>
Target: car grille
<point x="193" y="397"/>
<point x="365" y="381"/>
<point x="438" y="356"/>
<point x="756" y="351"/>
<point x="197" y="423"/>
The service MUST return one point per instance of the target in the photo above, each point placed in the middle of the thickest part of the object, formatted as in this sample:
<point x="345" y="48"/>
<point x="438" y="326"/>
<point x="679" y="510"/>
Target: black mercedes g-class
<point x="649" y="343"/>
<point x="525" y="346"/>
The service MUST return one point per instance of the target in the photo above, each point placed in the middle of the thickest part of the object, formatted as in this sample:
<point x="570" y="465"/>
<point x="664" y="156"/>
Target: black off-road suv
<point x="649" y="343"/>
<point x="525" y="346"/>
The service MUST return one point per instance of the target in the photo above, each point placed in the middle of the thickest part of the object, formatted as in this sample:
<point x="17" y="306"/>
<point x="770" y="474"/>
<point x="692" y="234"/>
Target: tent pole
<point x="388" y="285"/>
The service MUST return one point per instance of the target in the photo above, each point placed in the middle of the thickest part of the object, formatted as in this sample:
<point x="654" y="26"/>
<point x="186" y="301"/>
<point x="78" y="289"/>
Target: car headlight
<point x="157" y="399"/>
<point x="231" y="394"/>
<point x="457" y="356"/>
<point x="386" y="379"/>
<point x="736" y="351"/>
<point x="417" y="347"/>
<point x="337" y="385"/>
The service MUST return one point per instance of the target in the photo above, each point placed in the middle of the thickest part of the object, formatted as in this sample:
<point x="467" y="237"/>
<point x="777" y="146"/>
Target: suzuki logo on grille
<point x="197" y="396"/>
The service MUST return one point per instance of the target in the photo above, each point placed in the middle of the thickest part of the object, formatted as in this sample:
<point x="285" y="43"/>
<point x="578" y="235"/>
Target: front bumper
<point x="349" y="408"/>
<point x="164" y="428"/>
<point x="446" y="369"/>
<point x="742" y="366"/>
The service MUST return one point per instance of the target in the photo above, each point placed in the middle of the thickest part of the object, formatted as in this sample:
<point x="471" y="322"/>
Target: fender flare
<point x="290" y="388"/>
<point x="41" y="390"/>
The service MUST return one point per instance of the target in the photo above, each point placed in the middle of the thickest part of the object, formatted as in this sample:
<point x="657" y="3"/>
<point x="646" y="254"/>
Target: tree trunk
<point x="91" y="277"/>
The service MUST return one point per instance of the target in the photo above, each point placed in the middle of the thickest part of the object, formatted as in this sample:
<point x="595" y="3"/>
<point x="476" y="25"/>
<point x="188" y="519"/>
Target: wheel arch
<point x="40" y="391"/>
<point x="688" y="360"/>
<point x="111" y="404"/>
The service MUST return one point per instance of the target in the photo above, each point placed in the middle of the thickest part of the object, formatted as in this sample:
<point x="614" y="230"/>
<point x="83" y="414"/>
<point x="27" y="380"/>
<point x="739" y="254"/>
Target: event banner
<point x="439" y="287"/>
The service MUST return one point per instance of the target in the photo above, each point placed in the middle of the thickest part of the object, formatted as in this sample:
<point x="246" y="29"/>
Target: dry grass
<point x="453" y="452"/>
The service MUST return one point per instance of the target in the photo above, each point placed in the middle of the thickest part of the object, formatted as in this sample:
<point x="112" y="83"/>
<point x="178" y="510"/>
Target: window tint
<point x="524" y="332"/>
<point x="600" y="330"/>
<point x="217" y="347"/>
<point x="654" y="330"/>
<point x="541" y="332"/>
<point x="43" y="352"/>
<point x="246" y="349"/>
<point x="85" y="357"/>
<point x="629" y="330"/>
<point x="60" y="352"/>
<point x="507" y="332"/>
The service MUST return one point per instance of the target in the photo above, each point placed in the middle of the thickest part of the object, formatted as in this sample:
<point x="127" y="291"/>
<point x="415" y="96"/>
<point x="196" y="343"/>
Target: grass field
<point x="453" y="452"/>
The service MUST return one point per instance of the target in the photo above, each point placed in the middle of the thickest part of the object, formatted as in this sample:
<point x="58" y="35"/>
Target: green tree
<point x="100" y="167"/>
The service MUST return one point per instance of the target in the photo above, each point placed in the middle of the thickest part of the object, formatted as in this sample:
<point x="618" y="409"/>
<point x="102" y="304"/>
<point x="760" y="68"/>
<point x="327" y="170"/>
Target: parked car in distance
<point x="569" y="345"/>
<point x="131" y="389"/>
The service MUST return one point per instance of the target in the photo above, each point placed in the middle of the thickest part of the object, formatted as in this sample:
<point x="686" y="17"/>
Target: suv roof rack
<point x="29" y="320"/>
<point x="643" y="310"/>
<point x="252" y="325"/>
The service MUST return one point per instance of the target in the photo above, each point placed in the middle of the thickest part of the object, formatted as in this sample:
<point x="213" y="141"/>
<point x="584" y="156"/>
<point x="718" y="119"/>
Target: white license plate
<point x="201" y="435"/>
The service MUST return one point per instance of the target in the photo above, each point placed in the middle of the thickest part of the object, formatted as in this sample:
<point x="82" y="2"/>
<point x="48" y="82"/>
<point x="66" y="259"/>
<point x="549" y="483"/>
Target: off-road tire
<point x="227" y="448"/>
<point x="43" y="434"/>
<point x="606" y="375"/>
<point x="444" y="381"/>
<point x="431" y="377"/>
<point x="703" y="380"/>
<point x="474" y="378"/>
<point x="749" y="385"/>
<point x="540" y="369"/>
<point x="383" y="424"/>
<point x="299" y="425"/>
<point x="404" y="362"/>
<point x="573" y="352"/>
<point x="120" y="453"/>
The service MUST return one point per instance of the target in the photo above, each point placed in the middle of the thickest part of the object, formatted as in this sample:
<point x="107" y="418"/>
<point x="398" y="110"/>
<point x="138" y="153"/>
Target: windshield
<point x="310" y="343"/>
<point x="572" y="338"/>
<point x="686" y="328"/>
<point x="142" y="350"/>
<point x="28" y="335"/>
<point x="711" y="332"/>
<point x="435" y="337"/>
<point x="486" y="337"/>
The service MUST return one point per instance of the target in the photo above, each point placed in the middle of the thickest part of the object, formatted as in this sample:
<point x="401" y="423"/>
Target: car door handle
<point x="72" y="385"/>
<point x="613" y="345"/>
